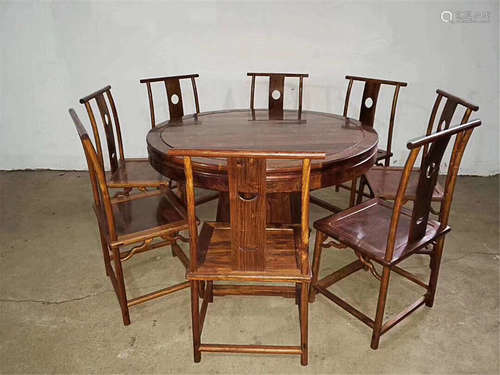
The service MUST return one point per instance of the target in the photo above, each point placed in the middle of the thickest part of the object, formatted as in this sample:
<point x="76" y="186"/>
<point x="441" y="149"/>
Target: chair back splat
<point x="174" y="96"/>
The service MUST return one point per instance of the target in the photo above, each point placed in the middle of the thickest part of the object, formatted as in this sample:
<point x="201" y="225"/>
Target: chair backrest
<point x="246" y="173"/>
<point x="369" y="100"/>
<point x="276" y="91"/>
<point x="174" y="95"/>
<point x="448" y="111"/>
<point x="434" y="147"/>
<point x="111" y="124"/>
<point x="102" y="200"/>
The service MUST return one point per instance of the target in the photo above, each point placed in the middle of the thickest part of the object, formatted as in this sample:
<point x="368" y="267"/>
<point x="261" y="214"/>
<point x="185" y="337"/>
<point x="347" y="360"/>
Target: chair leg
<point x="201" y="289"/>
<point x="435" y="264"/>
<point x="297" y="294"/>
<point x="210" y="291"/>
<point x="379" y="317"/>
<point x="352" y="197"/>
<point x="361" y="189"/>
<point x="181" y="192"/>
<point x="120" y="281"/>
<point x="320" y="237"/>
<point x="195" y="315"/>
<point x="304" y="310"/>
<point x="105" y="254"/>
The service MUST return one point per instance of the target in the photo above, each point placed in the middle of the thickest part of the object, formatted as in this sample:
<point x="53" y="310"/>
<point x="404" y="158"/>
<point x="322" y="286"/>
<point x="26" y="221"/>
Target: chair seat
<point x="384" y="182"/>
<point x="135" y="173"/>
<point x="365" y="228"/>
<point x="382" y="154"/>
<point x="281" y="258"/>
<point x="147" y="215"/>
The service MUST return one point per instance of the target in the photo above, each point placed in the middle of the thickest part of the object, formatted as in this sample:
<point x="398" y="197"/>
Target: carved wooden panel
<point x="174" y="97"/>
<point x="247" y="197"/>
<point x="369" y="103"/>
<point x="276" y="92"/>
<point x="429" y="173"/>
<point x="446" y="115"/>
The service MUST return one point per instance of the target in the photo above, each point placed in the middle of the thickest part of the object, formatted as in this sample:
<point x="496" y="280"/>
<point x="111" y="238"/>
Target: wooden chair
<point x="125" y="174"/>
<point x="371" y="89"/>
<point x="174" y="96"/>
<point x="385" y="233"/>
<point x="246" y="249"/>
<point x="276" y="92"/>
<point x="383" y="182"/>
<point x="176" y="110"/>
<point x="132" y="224"/>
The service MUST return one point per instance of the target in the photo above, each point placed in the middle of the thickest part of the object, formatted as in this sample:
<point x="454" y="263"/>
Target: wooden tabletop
<point x="350" y="148"/>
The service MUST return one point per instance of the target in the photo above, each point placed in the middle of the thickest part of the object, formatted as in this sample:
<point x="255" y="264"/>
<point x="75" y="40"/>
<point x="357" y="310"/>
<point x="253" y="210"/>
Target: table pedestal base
<point x="282" y="208"/>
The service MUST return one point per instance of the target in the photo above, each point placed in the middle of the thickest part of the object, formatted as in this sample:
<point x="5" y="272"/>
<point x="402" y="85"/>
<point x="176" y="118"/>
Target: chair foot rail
<point x="158" y="293"/>
<point x="128" y="254"/>
<point x="256" y="349"/>
<point x="254" y="290"/>
<point x="403" y="314"/>
<point x="349" y="308"/>
<point x="425" y="252"/>
<point x="340" y="274"/>
<point x="410" y="276"/>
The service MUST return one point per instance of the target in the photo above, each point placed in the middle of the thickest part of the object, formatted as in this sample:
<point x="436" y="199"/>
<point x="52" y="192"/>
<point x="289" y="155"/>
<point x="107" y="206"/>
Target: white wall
<point x="53" y="53"/>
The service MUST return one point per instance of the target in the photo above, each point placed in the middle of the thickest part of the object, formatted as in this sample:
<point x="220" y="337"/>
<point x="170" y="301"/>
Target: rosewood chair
<point x="125" y="174"/>
<point x="132" y="224"/>
<point x="246" y="248"/>
<point x="174" y="96"/>
<point x="383" y="182"/>
<point x="369" y="99"/>
<point x="176" y="109"/>
<point x="386" y="233"/>
<point x="276" y="92"/>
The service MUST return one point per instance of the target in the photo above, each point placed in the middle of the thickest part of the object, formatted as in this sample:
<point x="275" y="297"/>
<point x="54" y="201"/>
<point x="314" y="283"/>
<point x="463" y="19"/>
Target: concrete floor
<point x="58" y="313"/>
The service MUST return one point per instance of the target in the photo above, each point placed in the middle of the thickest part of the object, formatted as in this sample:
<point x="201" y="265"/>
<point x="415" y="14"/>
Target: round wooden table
<point x="350" y="151"/>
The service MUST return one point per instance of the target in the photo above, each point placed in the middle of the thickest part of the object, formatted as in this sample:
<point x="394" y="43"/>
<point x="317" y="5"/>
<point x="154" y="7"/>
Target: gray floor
<point x="58" y="313"/>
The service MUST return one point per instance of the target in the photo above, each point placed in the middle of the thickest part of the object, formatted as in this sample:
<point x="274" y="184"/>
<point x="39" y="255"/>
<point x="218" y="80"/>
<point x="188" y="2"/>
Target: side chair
<point x="176" y="110"/>
<point x="174" y="96"/>
<point x="276" y="93"/>
<point x="132" y="224"/>
<point x="384" y="233"/>
<point x="247" y="248"/>
<point x="126" y="173"/>
<point x="369" y="99"/>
